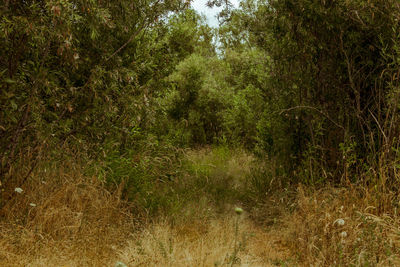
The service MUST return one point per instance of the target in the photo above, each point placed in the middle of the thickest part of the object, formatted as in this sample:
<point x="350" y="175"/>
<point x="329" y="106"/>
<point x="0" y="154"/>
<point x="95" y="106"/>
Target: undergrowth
<point x="74" y="203"/>
<point x="343" y="227"/>
<point x="167" y="207"/>
<point x="61" y="217"/>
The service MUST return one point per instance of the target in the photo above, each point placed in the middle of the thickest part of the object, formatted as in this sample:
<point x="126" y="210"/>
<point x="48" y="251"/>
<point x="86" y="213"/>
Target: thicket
<point x="108" y="110"/>
<point x="82" y="74"/>
<point x="328" y="83"/>
<point x="311" y="86"/>
<point x="119" y="84"/>
<point x="333" y="86"/>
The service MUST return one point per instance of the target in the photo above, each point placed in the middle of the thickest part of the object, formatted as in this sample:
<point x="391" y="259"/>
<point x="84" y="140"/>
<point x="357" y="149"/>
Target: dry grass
<point x="343" y="227"/>
<point x="205" y="243"/>
<point x="62" y="218"/>
<point x="65" y="218"/>
<point x="75" y="221"/>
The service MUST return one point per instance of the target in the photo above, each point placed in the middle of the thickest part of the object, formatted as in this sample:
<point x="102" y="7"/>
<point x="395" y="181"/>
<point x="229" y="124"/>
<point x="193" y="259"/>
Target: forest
<point x="132" y="133"/>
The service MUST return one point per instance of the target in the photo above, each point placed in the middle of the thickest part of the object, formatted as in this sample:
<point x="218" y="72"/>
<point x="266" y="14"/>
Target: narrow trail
<point x="79" y="223"/>
<point x="209" y="240"/>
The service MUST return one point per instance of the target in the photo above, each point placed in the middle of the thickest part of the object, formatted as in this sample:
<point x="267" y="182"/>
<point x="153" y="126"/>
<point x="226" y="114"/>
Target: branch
<point x="308" y="107"/>
<point x="379" y="125"/>
<point x="127" y="42"/>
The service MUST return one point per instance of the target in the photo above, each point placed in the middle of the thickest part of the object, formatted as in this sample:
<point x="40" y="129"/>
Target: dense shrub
<point x="333" y="82"/>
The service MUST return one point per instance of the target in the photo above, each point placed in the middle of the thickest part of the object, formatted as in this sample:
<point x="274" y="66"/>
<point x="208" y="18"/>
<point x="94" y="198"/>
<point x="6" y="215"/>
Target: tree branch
<point x="308" y="107"/>
<point x="127" y="42"/>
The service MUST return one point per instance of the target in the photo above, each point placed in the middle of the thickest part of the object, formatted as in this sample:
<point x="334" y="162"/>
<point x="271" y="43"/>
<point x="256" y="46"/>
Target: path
<point x="209" y="244"/>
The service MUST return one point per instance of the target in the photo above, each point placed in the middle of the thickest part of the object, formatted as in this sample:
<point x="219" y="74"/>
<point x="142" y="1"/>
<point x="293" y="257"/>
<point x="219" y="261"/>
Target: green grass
<point x="173" y="183"/>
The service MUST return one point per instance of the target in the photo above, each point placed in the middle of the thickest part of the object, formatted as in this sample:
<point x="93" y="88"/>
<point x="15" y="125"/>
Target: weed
<point x="234" y="259"/>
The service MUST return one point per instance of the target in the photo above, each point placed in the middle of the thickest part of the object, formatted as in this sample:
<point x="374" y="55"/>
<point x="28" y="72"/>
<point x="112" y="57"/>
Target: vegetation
<point x="134" y="130"/>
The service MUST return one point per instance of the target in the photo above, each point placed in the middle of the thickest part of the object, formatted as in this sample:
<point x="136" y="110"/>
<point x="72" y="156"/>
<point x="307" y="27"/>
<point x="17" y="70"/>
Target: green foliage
<point x="216" y="100"/>
<point x="311" y="85"/>
<point x="199" y="97"/>
<point x="78" y="72"/>
<point x="328" y="79"/>
<point x="248" y="74"/>
<point x="147" y="175"/>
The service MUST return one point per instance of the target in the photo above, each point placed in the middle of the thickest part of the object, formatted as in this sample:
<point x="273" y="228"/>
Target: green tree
<point x="199" y="97"/>
<point x="328" y="82"/>
<point x="74" y="72"/>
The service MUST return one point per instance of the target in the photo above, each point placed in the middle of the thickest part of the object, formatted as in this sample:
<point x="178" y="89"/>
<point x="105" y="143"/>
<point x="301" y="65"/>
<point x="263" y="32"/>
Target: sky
<point x="210" y="13"/>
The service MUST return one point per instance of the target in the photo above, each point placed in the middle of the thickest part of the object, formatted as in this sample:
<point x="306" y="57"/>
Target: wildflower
<point x="32" y="204"/>
<point x="339" y="222"/>
<point x="238" y="211"/>
<point x="120" y="264"/>
<point x="343" y="234"/>
<point x="18" y="190"/>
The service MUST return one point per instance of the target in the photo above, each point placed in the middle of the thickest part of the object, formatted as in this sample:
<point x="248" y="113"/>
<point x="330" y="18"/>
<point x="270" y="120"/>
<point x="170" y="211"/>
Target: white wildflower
<point x="343" y="234"/>
<point x="18" y="190"/>
<point x="339" y="222"/>
<point x="32" y="204"/>
<point x="120" y="264"/>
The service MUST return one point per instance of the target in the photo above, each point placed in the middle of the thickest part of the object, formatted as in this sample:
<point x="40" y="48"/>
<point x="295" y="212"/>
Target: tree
<point x="72" y="72"/>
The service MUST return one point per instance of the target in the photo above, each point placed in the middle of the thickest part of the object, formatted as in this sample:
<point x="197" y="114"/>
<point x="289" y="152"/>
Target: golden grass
<point x="342" y="227"/>
<point x="63" y="218"/>
<point x="205" y="243"/>
<point x="75" y="221"/>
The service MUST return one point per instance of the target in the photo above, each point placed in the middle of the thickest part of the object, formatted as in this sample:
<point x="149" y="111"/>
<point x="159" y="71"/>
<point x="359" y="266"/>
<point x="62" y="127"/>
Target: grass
<point x="75" y="221"/>
<point x="66" y="215"/>
<point x="205" y="243"/>
<point x="78" y="220"/>
<point x="342" y="227"/>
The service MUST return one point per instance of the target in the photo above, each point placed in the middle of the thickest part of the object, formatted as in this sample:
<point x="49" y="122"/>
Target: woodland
<point x="134" y="134"/>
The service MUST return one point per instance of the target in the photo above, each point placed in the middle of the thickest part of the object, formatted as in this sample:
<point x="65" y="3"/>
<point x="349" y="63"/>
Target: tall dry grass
<point x="343" y="227"/>
<point x="204" y="243"/>
<point x="66" y="217"/>
<point x="62" y="218"/>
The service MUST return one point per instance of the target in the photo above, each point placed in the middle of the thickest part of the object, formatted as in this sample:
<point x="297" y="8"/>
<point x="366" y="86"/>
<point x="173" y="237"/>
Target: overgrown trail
<point x="203" y="232"/>
<point x="79" y="223"/>
<point x="132" y="131"/>
<point x="65" y="217"/>
<point x="76" y="221"/>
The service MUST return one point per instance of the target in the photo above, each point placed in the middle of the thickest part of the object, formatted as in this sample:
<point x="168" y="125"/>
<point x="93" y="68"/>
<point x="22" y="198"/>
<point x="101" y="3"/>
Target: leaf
<point x="13" y="105"/>
<point x="2" y="72"/>
<point x="10" y="81"/>
<point x="93" y="34"/>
